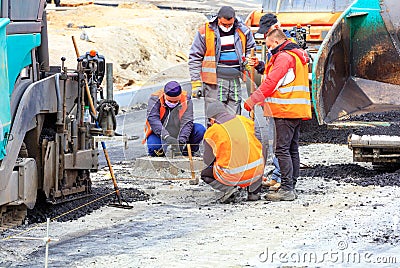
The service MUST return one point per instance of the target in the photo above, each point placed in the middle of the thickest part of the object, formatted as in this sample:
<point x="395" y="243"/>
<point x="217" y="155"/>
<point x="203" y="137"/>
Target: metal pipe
<point x="252" y="53"/>
<point x="43" y="51"/>
<point x="58" y="95"/>
<point x="46" y="258"/>
<point x="64" y="113"/>
<point x="72" y="74"/>
<point x="278" y="6"/>
<point x="109" y="79"/>
<point x="264" y="53"/>
<point x="4" y="9"/>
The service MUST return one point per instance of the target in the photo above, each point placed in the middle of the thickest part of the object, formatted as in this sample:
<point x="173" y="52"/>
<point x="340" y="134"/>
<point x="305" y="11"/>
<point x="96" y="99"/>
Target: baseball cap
<point x="266" y="22"/>
<point x="173" y="90"/>
<point x="226" y="12"/>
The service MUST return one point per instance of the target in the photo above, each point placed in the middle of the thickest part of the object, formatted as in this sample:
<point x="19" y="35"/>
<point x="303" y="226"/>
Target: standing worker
<point x="170" y="121"/>
<point x="232" y="154"/>
<point x="217" y="58"/>
<point x="286" y="93"/>
<point x="268" y="22"/>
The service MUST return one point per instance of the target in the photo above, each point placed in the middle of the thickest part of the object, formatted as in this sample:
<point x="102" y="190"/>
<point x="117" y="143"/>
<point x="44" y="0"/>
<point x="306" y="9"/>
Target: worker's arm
<point x="208" y="155"/>
<point x="186" y="123"/>
<point x="281" y="66"/>
<point x="257" y="64"/>
<point x="153" y="116"/>
<point x="250" y="42"/>
<point x="196" y="56"/>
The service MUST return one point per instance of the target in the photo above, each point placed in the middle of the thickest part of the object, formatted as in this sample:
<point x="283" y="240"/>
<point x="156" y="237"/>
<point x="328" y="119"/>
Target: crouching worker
<point x="233" y="155"/>
<point x="170" y="122"/>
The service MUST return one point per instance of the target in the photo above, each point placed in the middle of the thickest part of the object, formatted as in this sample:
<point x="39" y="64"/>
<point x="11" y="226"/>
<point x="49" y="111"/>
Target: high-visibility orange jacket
<point x="160" y="95"/>
<point x="286" y="86"/>
<point x="209" y="64"/>
<point x="238" y="152"/>
<point x="205" y="50"/>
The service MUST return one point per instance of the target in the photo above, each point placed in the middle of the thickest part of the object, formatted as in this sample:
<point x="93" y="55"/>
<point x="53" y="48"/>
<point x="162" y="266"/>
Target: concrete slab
<point x="167" y="168"/>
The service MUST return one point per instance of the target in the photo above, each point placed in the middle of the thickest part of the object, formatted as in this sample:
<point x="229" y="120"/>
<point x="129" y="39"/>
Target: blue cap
<point x="172" y="89"/>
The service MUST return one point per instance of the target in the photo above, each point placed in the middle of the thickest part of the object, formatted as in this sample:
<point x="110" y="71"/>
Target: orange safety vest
<point x="238" y="152"/>
<point x="160" y="94"/>
<point x="209" y="65"/>
<point x="292" y="100"/>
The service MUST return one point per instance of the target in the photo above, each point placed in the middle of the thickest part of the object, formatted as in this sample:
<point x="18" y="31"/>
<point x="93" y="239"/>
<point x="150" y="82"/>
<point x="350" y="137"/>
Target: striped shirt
<point x="228" y="57"/>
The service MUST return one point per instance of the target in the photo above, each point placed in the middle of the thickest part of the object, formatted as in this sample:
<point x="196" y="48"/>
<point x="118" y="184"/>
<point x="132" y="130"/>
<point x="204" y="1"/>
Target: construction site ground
<point x="346" y="214"/>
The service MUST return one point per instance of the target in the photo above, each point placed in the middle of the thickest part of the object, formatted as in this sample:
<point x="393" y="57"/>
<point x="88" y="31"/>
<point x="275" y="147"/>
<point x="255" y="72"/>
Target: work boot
<point x="228" y="196"/>
<point x="295" y="193"/>
<point x="281" y="195"/>
<point x="294" y="187"/>
<point x="275" y="187"/>
<point x="253" y="197"/>
<point x="237" y="196"/>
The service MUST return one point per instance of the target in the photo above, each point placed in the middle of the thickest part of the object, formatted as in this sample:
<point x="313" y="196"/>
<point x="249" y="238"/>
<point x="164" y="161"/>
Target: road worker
<point x="269" y="22"/>
<point x="217" y="57"/>
<point x="285" y="91"/>
<point x="170" y="122"/>
<point x="232" y="154"/>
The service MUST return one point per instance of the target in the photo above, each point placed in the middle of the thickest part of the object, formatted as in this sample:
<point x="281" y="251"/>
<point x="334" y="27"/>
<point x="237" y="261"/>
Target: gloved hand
<point x="170" y="140"/>
<point x="159" y="152"/>
<point x="197" y="90"/>
<point x="182" y="146"/>
<point x="253" y="61"/>
<point x="249" y="104"/>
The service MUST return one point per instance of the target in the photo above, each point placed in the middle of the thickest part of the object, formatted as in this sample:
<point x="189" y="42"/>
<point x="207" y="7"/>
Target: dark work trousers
<point x="227" y="91"/>
<point x="287" y="150"/>
<point x="207" y="176"/>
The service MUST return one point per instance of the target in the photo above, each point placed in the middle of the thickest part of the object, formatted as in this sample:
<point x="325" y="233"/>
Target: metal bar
<point x="193" y="175"/>
<point x="252" y="82"/>
<point x="109" y="79"/>
<point x="46" y="258"/>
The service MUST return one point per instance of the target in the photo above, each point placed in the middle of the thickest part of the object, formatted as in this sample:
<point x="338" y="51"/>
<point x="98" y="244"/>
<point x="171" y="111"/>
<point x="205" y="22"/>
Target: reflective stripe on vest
<point x="160" y="94"/>
<point x="294" y="99"/>
<point x="232" y="175"/>
<point x="238" y="152"/>
<point x="242" y="183"/>
<point x="243" y="168"/>
<point x="209" y="64"/>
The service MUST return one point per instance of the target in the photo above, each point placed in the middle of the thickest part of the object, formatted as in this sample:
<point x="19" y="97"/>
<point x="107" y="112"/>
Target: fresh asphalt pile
<point x="44" y="210"/>
<point x="389" y="116"/>
<point x="355" y="174"/>
<point x="312" y="132"/>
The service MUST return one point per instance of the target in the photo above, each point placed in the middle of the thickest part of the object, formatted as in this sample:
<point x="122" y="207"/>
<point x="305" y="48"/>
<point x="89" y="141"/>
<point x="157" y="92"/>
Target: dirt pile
<point x="139" y="39"/>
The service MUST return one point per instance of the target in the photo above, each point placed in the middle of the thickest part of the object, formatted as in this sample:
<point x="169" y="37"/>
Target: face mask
<point x="224" y="29"/>
<point x="171" y="104"/>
